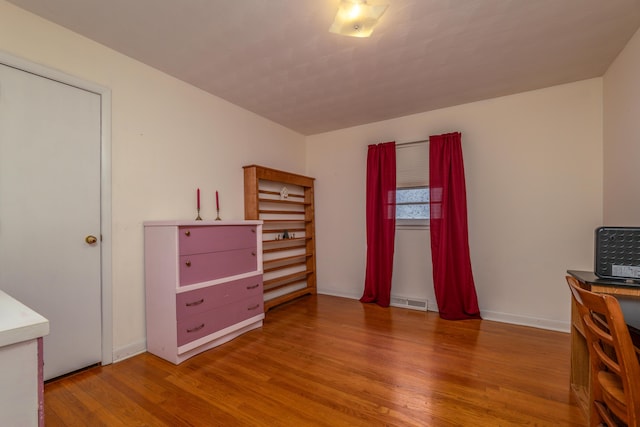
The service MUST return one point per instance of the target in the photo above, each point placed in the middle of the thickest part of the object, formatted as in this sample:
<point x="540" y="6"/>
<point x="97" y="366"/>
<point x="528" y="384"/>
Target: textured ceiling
<point x="277" y="58"/>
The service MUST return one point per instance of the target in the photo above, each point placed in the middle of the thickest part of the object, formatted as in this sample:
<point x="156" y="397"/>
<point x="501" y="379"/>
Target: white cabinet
<point x="21" y="392"/>
<point x="203" y="284"/>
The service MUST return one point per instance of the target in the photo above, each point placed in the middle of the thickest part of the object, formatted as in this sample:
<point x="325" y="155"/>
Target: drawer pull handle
<point x="191" y="304"/>
<point x="252" y="308"/>
<point x="253" y="253"/>
<point x="196" y="329"/>
<point x="253" y="230"/>
<point x="187" y="233"/>
<point x="253" y="286"/>
<point x="188" y="263"/>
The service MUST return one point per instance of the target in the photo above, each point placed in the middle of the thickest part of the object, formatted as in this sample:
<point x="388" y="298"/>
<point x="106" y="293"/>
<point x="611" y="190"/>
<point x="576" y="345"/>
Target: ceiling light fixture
<point x="357" y="18"/>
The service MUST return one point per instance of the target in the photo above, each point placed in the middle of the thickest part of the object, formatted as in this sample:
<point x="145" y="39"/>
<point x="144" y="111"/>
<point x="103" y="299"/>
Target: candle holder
<point x="218" y="215"/>
<point x="198" y="217"/>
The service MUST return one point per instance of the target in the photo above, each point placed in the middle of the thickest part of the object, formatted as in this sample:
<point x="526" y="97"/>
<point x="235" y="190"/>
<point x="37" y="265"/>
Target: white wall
<point x="622" y="137"/>
<point x="533" y="166"/>
<point x="168" y="138"/>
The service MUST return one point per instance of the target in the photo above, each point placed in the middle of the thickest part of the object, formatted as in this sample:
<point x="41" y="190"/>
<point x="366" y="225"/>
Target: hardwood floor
<point x="327" y="361"/>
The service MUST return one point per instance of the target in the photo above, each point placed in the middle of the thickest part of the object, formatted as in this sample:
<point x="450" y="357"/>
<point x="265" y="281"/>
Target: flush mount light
<point x="357" y="18"/>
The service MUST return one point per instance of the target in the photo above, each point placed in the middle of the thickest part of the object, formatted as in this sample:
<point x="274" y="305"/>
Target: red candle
<point x="198" y="199"/>
<point x="217" y="202"/>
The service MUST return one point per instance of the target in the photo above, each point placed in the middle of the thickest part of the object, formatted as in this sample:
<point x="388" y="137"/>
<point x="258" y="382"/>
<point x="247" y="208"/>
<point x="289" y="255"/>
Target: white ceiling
<point x="277" y="58"/>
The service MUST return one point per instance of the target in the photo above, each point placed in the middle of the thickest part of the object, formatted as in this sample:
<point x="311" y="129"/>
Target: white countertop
<point x="18" y="322"/>
<point x="193" y="223"/>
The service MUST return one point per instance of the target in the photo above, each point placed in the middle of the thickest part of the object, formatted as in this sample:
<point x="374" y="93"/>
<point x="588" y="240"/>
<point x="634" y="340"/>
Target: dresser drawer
<point x="201" y="239"/>
<point x="215" y="265"/>
<point x="200" y="300"/>
<point x="202" y="324"/>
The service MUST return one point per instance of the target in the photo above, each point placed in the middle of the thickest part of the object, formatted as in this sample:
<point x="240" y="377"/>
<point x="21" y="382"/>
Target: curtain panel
<point x="452" y="276"/>
<point x="381" y="222"/>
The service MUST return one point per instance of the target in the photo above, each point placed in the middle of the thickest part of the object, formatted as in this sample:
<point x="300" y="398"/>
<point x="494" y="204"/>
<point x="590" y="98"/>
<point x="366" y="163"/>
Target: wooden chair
<point x="615" y="371"/>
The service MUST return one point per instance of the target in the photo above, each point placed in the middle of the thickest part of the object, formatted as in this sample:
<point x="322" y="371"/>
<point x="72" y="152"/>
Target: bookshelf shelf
<point x="284" y="202"/>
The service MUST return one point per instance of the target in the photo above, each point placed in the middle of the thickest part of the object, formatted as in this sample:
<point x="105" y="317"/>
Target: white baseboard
<point x="128" y="351"/>
<point x="534" y="322"/>
<point x="339" y="294"/>
<point x="514" y="319"/>
<point x="408" y="302"/>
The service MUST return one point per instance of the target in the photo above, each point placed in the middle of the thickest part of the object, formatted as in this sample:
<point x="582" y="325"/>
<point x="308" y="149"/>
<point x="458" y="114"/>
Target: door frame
<point x="105" y="184"/>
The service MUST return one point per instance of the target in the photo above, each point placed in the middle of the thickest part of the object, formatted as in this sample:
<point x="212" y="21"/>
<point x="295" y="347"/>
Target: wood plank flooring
<point x="327" y="361"/>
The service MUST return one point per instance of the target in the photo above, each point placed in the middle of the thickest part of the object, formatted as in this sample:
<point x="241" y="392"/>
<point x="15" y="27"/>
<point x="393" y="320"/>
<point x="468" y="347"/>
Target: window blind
<point x="412" y="165"/>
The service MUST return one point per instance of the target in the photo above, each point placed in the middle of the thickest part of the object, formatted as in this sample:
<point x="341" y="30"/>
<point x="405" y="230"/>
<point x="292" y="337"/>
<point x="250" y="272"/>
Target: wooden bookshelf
<point x="284" y="201"/>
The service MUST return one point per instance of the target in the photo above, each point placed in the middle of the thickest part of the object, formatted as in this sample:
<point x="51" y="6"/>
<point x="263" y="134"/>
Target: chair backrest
<point x="610" y="347"/>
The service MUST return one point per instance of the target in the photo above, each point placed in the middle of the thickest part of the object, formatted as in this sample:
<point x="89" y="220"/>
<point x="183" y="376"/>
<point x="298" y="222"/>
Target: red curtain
<point x="381" y="222"/>
<point x="452" y="277"/>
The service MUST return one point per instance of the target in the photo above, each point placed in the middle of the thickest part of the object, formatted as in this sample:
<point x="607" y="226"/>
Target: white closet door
<point x="49" y="204"/>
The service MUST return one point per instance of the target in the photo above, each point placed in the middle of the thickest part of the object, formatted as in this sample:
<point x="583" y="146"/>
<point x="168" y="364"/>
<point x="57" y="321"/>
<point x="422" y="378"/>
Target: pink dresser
<point x="203" y="283"/>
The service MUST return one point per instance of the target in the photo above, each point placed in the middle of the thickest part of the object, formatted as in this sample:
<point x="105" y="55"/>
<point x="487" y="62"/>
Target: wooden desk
<point x="628" y="294"/>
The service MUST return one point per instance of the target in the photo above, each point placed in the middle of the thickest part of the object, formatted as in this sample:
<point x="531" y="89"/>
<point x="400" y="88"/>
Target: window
<point x="412" y="203"/>
<point x="412" y="185"/>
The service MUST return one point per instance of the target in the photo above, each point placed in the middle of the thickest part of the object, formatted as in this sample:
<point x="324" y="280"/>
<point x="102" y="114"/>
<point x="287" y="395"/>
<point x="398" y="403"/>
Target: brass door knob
<point x="91" y="239"/>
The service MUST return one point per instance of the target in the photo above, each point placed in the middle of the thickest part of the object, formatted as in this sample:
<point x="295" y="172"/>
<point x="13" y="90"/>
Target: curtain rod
<point x="411" y="143"/>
